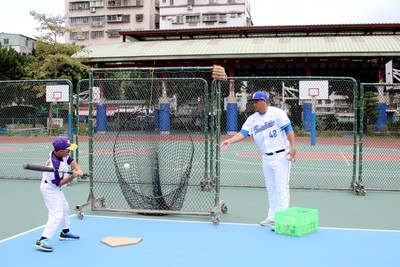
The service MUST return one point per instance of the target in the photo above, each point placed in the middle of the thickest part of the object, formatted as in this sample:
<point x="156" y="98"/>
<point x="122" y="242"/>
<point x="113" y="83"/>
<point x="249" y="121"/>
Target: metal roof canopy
<point x="354" y="50"/>
<point x="263" y="31"/>
<point x="242" y="48"/>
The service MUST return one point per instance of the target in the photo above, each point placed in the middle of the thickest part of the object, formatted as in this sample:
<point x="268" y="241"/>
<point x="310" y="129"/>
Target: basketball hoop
<point x="313" y="93"/>
<point x="56" y="97"/>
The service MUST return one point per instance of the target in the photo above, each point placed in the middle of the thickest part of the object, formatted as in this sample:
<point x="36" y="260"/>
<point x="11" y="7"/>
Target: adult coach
<point x="273" y="133"/>
<point x="53" y="196"/>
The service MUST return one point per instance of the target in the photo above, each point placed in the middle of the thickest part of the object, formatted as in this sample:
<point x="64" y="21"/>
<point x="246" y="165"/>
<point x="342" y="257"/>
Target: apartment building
<point x="20" y="43"/>
<point x="178" y="14"/>
<point x="99" y="21"/>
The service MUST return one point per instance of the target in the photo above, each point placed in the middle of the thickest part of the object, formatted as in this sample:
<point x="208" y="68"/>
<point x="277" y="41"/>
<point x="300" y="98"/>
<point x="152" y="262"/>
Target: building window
<point x="97" y="34"/>
<point x="231" y="1"/>
<point x="190" y="2"/>
<point x="192" y="18"/>
<point x="6" y="41"/>
<point x="213" y="1"/>
<point x="97" y="3"/>
<point x="222" y="18"/>
<point x="79" y="20"/>
<point x="118" y="18"/>
<point x="209" y="17"/>
<point x="171" y="2"/>
<point x="98" y="19"/>
<point x="114" y="33"/>
<point x="79" y="6"/>
<point x="26" y="42"/>
<point x="177" y="20"/>
<point x="79" y="36"/>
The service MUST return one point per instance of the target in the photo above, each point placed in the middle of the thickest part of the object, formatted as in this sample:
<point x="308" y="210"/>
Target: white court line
<point x="241" y="162"/>
<point x="197" y="222"/>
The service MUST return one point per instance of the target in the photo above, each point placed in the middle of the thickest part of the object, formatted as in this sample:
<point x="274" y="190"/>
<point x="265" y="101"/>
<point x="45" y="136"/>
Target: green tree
<point x="11" y="64"/>
<point x="53" y="60"/>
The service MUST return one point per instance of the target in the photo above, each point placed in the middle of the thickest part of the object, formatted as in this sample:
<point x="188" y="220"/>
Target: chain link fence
<point x="326" y="143"/>
<point x="32" y="113"/>
<point x="332" y="152"/>
<point x="379" y="154"/>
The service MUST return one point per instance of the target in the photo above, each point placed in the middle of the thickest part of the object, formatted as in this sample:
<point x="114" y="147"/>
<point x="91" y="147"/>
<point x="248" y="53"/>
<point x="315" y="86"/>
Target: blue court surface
<point x="176" y="243"/>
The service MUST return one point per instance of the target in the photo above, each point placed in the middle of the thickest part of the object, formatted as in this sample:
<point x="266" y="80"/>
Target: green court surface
<point x="326" y="165"/>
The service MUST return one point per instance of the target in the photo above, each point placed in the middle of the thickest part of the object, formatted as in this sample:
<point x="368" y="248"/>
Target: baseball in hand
<point x="126" y="166"/>
<point x="289" y="157"/>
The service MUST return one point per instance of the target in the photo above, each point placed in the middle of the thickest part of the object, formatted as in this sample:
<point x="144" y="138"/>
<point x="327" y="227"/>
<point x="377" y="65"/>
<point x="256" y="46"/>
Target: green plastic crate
<point x="296" y="221"/>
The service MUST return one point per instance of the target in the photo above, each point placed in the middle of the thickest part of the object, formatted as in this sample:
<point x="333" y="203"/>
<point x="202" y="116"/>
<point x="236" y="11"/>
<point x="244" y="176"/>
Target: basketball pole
<point x="313" y="124"/>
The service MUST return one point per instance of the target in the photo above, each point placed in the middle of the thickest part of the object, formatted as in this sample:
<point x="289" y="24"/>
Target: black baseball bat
<point x="40" y="168"/>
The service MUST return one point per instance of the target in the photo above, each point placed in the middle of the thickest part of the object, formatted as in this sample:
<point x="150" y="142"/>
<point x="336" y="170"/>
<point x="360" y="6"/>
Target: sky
<point x="15" y="17"/>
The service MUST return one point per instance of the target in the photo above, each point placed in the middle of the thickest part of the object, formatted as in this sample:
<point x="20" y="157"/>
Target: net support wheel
<point x="81" y="215"/>
<point x="359" y="189"/>
<point x="79" y="212"/>
<point x="216" y="220"/>
<point x="224" y="208"/>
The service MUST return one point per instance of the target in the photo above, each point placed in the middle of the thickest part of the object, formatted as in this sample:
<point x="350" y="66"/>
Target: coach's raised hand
<point x="219" y="73"/>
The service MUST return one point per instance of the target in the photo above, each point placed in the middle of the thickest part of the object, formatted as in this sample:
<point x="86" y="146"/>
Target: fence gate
<point x="380" y="139"/>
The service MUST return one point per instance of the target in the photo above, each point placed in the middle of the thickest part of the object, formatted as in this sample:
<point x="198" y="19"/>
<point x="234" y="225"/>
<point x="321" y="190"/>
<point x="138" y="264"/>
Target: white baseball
<point x="126" y="166"/>
<point x="289" y="157"/>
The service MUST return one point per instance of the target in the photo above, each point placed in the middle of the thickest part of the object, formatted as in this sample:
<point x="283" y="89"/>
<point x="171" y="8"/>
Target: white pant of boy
<point x="57" y="206"/>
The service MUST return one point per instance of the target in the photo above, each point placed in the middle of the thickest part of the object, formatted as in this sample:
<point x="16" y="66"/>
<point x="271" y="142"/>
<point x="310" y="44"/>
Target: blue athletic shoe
<point x="68" y="236"/>
<point x="44" y="245"/>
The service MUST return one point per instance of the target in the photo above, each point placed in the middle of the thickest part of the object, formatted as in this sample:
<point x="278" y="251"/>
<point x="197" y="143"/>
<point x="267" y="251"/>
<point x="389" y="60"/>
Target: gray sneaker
<point x="267" y="222"/>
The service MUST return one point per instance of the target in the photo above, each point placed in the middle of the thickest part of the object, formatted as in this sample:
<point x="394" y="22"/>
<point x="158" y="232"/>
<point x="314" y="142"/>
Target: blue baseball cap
<point x="259" y="96"/>
<point x="62" y="143"/>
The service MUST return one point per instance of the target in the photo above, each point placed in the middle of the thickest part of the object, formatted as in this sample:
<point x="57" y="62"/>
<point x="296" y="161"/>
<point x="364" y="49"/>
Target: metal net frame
<point x="150" y="145"/>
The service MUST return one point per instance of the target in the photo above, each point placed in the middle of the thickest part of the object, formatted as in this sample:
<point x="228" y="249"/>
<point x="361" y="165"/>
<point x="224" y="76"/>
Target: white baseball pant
<point x="276" y="170"/>
<point x="57" y="206"/>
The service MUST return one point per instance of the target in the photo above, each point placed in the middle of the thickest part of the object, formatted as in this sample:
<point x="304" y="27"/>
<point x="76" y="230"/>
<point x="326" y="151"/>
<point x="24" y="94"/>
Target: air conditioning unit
<point x="173" y="20"/>
<point x="189" y="7"/>
<point x="93" y="10"/>
<point x="80" y="38"/>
